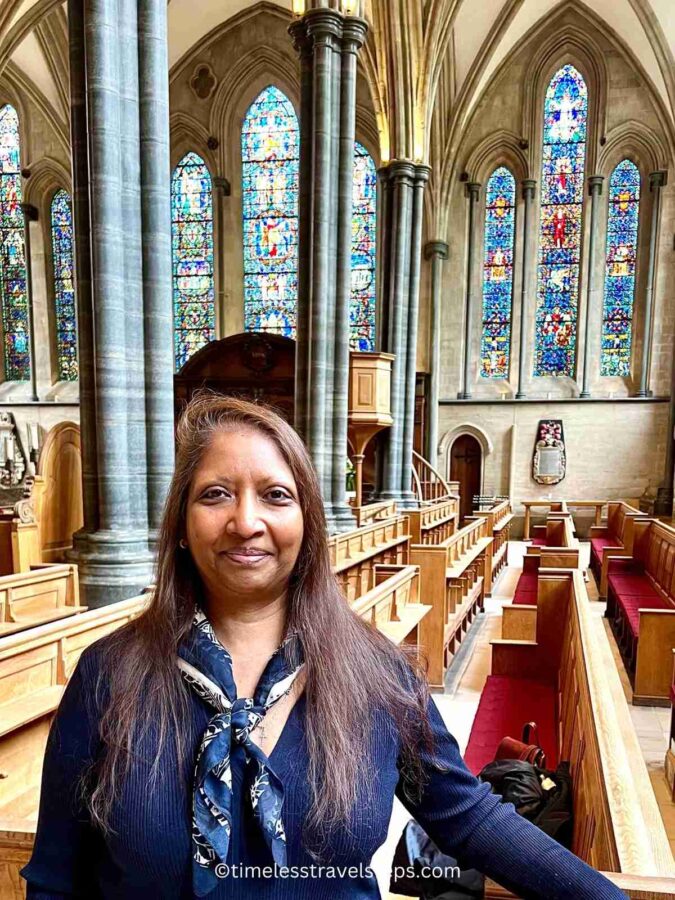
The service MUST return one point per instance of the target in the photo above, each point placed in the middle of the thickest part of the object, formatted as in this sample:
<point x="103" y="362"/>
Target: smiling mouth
<point x="246" y="557"/>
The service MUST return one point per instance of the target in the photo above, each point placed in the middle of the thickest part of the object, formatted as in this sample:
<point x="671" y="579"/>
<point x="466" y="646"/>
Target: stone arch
<point x="501" y="148"/>
<point x="450" y="436"/>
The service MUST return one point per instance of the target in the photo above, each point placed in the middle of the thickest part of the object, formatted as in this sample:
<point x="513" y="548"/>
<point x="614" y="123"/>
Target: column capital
<point x="529" y="186"/>
<point x="473" y="189"/>
<point x="299" y="37"/>
<point x="401" y="170"/>
<point x="223" y="185"/>
<point x="422" y="173"/>
<point x="658" y="179"/>
<point x="354" y="31"/>
<point x="323" y="25"/>
<point x="595" y="185"/>
<point x="436" y="248"/>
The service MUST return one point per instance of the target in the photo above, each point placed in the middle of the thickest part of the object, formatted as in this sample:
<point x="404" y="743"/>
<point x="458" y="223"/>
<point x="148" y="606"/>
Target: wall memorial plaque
<point x="549" y="460"/>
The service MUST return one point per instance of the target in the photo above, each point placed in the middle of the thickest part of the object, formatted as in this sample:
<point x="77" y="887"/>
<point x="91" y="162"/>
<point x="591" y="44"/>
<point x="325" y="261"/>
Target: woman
<point x="173" y="762"/>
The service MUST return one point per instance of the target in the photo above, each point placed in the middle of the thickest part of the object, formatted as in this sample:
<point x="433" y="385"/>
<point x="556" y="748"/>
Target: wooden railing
<point x="499" y="517"/>
<point x="393" y="605"/>
<point x="38" y="596"/>
<point x="452" y="580"/>
<point x="379" y="511"/>
<point x="429" y="485"/>
<point x="354" y="554"/>
<point x="433" y="523"/>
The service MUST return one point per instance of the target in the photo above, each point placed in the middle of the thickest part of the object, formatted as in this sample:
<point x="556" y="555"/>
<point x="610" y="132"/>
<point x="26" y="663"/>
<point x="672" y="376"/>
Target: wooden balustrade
<point x="434" y="523"/>
<point x="393" y="605"/>
<point x="452" y="580"/>
<point x="499" y="517"/>
<point x="354" y="554"/>
<point x="374" y="512"/>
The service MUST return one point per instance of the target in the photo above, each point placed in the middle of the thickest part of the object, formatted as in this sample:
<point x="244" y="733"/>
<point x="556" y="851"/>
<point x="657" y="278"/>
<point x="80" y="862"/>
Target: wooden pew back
<point x="654" y="547"/>
<point x="433" y="523"/>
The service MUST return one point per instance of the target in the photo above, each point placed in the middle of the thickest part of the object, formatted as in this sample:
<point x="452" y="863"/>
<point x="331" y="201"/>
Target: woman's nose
<point x="245" y="517"/>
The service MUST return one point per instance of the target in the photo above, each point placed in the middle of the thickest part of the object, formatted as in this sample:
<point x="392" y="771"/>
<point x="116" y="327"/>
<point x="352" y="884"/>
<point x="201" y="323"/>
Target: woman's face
<point x="244" y="525"/>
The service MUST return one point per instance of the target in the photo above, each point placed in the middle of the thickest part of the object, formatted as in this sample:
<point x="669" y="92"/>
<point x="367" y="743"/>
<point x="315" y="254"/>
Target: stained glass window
<point x="562" y="193"/>
<point x="364" y="224"/>
<point x="500" y="208"/>
<point x="194" y="309"/>
<point x="270" y="154"/>
<point x="622" y="231"/>
<point x="64" y="287"/>
<point x="12" y="252"/>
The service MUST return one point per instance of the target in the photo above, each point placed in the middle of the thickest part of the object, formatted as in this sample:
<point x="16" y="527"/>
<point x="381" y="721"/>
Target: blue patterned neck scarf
<point x="207" y="667"/>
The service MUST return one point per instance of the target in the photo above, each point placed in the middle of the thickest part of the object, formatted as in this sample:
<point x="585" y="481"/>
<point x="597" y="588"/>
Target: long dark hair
<point x="351" y="669"/>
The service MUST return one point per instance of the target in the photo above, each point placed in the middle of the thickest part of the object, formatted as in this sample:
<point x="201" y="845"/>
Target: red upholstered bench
<point x="526" y="589"/>
<point x="506" y="704"/>
<point x="598" y="544"/>
<point x="539" y="542"/>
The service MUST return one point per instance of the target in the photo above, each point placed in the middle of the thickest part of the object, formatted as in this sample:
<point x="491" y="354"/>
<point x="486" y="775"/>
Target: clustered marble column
<point x="594" y="191"/>
<point x="436" y="251"/>
<point x="657" y="180"/>
<point x="529" y="187"/>
<point x="473" y="193"/>
<point x="328" y="44"/>
<point x="402" y="190"/>
<point x="122" y="225"/>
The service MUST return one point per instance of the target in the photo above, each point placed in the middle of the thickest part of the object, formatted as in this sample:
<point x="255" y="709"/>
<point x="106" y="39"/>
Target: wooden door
<point x="465" y="467"/>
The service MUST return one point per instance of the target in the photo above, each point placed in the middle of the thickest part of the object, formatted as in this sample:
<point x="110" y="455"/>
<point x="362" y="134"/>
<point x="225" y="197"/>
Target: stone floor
<point x="465" y="679"/>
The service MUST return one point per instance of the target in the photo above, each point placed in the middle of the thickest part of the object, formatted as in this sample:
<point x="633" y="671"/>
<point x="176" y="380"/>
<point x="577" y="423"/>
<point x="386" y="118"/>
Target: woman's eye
<point x="277" y="494"/>
<point x="214" y="494"/>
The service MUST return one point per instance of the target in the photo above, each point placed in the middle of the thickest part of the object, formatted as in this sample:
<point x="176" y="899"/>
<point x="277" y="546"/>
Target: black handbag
<point x="415" y="853"/>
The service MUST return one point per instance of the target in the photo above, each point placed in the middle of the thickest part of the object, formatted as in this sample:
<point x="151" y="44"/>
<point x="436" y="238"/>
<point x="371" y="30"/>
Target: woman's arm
<point x="65" y="843"/>
<point x="467" y="821"/>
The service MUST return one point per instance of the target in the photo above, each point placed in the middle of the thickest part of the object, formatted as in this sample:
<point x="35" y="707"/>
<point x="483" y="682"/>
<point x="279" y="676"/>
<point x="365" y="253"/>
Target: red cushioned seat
<point x="599" y="543"/>
<point x="506" y="704"/>
<point x="529" y="598"/>
<point x="624" y="564"/>
<point x="631" y="585"/>
<point x="631" y="606"/>
<point x="539" y="542"/>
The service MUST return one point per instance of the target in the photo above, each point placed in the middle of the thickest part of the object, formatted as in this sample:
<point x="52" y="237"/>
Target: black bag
<point x="527" y="787"/>
<point x="416" y="851"/>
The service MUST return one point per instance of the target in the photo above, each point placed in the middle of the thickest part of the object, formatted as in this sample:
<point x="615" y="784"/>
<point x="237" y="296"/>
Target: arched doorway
<point x="466" y="457"/>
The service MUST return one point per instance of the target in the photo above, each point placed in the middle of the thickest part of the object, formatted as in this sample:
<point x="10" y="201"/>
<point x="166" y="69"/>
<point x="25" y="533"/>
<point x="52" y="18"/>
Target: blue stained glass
<point x="13" y="290"/>
<point x="562" y="193"/>
<point x="500" y="208"/>
<point x="270" y="138"/>
<point x="364" y="228"/>
<point x="620" y="256"/>
<point x="64" y="286"/>
<point x="194" y="309"/>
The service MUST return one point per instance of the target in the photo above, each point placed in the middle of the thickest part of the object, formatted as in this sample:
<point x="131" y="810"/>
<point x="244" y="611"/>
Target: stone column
<point x="421" y="177"/>
<point x="112" y="549"/>
<point x="401" y="177"/>
<point x="594" y="192"/>
<point x="529" y="187"/>
<point x="30" y="214"/>
<point x="156" y="225"/>
<point x="82" y="248"/>
<point x="657" y="180"/>
<point x="353" y="37"/>
<point x="328" y="44"/>
<point x="473" y="193"/>
<point x="436" y="251"/>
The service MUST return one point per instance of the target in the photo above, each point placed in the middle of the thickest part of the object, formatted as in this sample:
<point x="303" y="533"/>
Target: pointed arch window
<point x="12" y="252"/>
<point x="562" y="186"/>
<point x="498" y="243"/>
<point x="620" y="257"/>
<point x="270" y="139"/>
<point x="194" y="308"/>
<point x="364" y="234"/>
<point x="64" y="286"/>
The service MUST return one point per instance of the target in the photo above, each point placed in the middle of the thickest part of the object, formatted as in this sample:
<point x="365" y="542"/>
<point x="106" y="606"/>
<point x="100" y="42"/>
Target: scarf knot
<point x="206" y="666"/>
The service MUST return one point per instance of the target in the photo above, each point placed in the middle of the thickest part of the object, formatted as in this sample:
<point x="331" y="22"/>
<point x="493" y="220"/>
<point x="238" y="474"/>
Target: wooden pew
<point x="452" y="581"/>
<point x="374" y="512"/>
<point x="614" y="538"/>
<point x="618" y="827"/>
<point x="34" y="667"/>
<point x="432" y="523"/>
<point x="39" y="596"/>
<point x="393" y="604"/>
<point x="354" y="554"/>
<point x="499" y="519"/>
<point x="551" y="505"/>
<point x="641" y="609"/>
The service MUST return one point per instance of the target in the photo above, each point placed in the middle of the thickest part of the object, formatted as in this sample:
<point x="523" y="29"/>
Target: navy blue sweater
<point x="148" y="856"/>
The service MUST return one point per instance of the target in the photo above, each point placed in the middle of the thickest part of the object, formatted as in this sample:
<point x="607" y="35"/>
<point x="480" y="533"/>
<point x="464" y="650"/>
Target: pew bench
<point x="452" y="582"/>
<point x="41" y="595"/>
<point x="641" y="610"/>
<point x="354" y="554"/>
<point x="499" y="519"/>
<point x="434" y="522"/>
<point x="35" y="665"/>
<point x="614" y="538"/>
<point x="565" y="680"/>
<point x="392" y="606"/>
